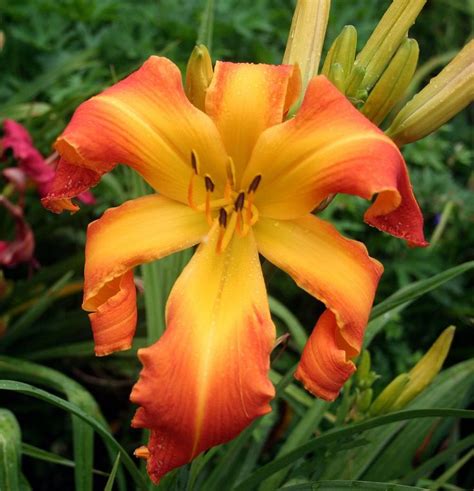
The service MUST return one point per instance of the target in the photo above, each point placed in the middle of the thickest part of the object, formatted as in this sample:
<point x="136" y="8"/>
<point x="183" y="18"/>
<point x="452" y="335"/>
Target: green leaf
<point x="40" y="454"/>
<point x="432" y="464"/>
<point x="302" y="432"/>
<point x="453" y="389"/>
<point x="338" y="434"/>
<point x="21" y="327"/>
<point x="408" y="294"/>
<point x="297" y="331"/>
<point x="336" y="485"/>
<point x="10" y="385"/>
<point x="391" y="448"/>
<point x="110" y="481"/>
<point x="10" y="451"/>
<point x="83" y="437"/>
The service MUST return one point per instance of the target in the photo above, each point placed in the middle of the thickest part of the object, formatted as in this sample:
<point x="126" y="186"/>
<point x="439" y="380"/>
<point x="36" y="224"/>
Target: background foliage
<point x="57" y="54"/>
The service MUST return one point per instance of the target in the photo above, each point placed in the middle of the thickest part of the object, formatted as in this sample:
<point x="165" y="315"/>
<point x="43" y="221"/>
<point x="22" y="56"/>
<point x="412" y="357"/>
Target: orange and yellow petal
<point x="206" y="379"/>
<point x="244" y="99"/>
<point x="328" y="148"/>
<point x="145" y="121"/>
<point x="335" y="270"/>
<point x="136" y="232"/>
<point x="69" y="181"/>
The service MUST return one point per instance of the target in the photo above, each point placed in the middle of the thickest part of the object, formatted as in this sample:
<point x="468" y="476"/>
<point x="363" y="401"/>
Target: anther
<point x="222" y="218"/>
<point x="239" y="202"/>
<point x="209" y="183"/>
<point x="194" y="162"/>
<point x="254" y="184"/>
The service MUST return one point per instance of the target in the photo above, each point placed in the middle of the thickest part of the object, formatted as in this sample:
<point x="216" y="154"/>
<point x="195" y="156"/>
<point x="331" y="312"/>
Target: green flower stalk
<point x="198" y="75"/>
<point x="306" y="38"/>
<point x="446" y="94"/>
<point x="393" y="83"/>
<point x="383" y="43"/>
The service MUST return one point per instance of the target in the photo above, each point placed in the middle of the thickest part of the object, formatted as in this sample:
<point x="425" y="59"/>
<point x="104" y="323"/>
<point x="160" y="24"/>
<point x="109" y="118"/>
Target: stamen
<point x="226" y="234"/>
<point x="250" y="206"/>
<point x="239" y="202"/>
<point x="254" y="184"/>
<point x="213" y="204"/>
<point x="222" y="218"/>
<point x="194" y="162"/>
<point x="190" y="192"/>
<point x="195" y="166"/>
<point x="209" y="183"/>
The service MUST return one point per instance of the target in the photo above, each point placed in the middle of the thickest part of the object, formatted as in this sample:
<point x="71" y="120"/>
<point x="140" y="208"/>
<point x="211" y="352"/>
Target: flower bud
<point x="340" y="58"/>
<point x="426" y="369"/>
<point x="363" y="400"/>
<point x="385" y="40"/>
<point x="446" y="94"/>
<point x="383" y="403"/>
<point x="393" y="83"/>
<point x="198" y="76"/>
<point x="306" y="38"/>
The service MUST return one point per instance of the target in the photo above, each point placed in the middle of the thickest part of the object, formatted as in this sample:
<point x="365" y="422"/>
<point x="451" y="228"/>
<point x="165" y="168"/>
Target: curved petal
<point x="136" y="232"/>
<point x="329" y="147"/>
<point x="146" y="122"/>
<point x="206" y="379"/>
<point x="244" y="99"/>
<point x="335" y="270"/>
<point x="69" y="181"/>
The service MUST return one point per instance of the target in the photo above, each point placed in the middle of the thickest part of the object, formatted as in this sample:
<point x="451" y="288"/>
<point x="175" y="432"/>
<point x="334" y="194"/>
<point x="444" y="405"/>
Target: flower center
<point x="233" y="212"/>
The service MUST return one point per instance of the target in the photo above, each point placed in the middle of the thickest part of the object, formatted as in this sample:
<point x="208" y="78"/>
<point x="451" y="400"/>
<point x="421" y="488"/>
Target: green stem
<point x="445" y="215"/>
<point x="207" y="25"/>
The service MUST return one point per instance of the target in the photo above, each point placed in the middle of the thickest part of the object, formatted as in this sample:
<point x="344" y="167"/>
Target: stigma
<point x="230" y="209"/>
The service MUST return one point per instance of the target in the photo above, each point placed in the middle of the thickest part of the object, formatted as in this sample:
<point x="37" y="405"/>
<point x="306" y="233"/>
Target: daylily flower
<point x="31" y="164"/>
<point x="236" y="180"/>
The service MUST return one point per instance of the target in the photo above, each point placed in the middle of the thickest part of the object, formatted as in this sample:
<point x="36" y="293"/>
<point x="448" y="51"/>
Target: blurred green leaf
<point x="408" y="294"/>
<point x="338" y="434"/>
<point x="297" y="331"/>
<point x="10" y="451"/>
<point x="110" y="481"/>
<point x="391" y="449"/>
<point x="40" y="454"/>
<point x="10" y="385"/>
<point x="336" y="485"/>
<point x="83" y="436"/>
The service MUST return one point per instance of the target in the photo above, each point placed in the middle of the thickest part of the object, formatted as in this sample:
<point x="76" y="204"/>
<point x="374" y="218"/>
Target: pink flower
<point x="31" y="163"/>
<point x="21" y="248"/>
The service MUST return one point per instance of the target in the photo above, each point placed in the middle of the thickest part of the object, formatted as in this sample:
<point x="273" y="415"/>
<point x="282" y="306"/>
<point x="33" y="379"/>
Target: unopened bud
<point x="363" y="369"/>
<point x="306" y="38"/>
<point x="426" y="369"/>
<point x="340" y="58"/>
<point x="364" y="399"/>
<point x="2" y="40"/>
<point x="385" y="40"/>
<point x="446" y="94"/>
<point x="384" y="402"/>
<point x="198" y="76"/>
<point x="393" y="83"/>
